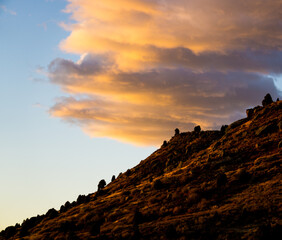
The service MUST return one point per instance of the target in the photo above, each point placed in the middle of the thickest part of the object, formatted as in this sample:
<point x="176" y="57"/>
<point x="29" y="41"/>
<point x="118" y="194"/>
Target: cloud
<point x="147" y="67"/>
<point x="5" y="9"/>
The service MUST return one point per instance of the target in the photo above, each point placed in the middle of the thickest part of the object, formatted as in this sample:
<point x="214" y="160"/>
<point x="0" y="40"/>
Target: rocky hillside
<point x="199" y="185"/>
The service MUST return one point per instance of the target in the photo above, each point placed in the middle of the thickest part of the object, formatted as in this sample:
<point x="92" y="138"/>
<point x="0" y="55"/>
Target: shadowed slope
<point x="200" y="185"/>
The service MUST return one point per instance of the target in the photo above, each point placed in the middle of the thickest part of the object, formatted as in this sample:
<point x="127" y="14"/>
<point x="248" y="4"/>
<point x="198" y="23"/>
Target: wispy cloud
<point x="5" y="9"/>
<point x="147" y="67"/>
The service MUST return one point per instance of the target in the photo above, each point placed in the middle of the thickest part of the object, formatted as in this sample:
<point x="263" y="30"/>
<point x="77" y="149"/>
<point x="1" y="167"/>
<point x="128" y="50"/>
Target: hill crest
<point x="199" y="185"/>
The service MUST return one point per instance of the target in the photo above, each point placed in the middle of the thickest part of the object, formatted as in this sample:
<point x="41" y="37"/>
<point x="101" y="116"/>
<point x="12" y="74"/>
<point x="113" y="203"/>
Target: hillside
<point x="199" y="185"/>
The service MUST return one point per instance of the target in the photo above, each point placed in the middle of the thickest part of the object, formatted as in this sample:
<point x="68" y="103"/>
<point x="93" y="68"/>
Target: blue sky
<point x="44" y="162"/>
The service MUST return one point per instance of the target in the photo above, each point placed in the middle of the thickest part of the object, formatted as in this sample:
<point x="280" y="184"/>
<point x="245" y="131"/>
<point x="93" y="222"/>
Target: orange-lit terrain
<point x="200" y="185"/>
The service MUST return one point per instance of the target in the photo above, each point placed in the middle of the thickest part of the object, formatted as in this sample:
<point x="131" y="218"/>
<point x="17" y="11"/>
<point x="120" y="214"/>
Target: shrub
<point x="137" y="217"/>
<point x="170" y="232"/>
<point x="128" y="172"/>
<point x="164" y="143"/>
<point x="267" y="100"/>
<point x="101" y="184"/>
<point x="113" y="178"/>
<point x="242" y="175"/>
<point x="197" y="129"/>
<point x="223" y="128"/>
<point x="221" y="180"/>
<point x="157" y="184"/>
<point x="176" y="132"/>
<point x="52" y="213"/>
<point x="83" y="199"/>
<point x="250" y="112"/>
<point x="10" y="231"/>
<point x="67" y="226"/>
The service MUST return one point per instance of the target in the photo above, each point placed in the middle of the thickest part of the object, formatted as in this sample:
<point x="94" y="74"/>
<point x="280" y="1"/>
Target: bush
<point x="137" y="217"/>
<point x="197" y="129"/>
<point x="10" y="231"/>
<point x="221" y="180"/>
<point x="267" y="100"/>
<point x="223" y="128"/>
<point x="164" y="143"/>
<point x="83" y="199"/>
<point x="52" y="213"/>
<point x="242" y="176"/>
<point x="101" y="184"/>
<point x="113" y="178"/>
<point x="157" y="184"/>
<point x="176" y="132"/>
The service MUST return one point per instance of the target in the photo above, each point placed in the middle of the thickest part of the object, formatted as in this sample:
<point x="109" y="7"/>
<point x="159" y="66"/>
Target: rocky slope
<point x="199" y="185"/>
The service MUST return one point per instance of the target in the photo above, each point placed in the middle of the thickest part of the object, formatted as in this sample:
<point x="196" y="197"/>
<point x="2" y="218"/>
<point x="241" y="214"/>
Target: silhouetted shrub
<point x="113" y="178"/>
<point x="266" y="129"/>
<point x="223" y="128"/>
<point x="197" y="129"/>
<point x="137" y="217"/>
<point x="83" y="199"/>
<point x="250" y="112"/>
<point x="101" y="184"/>
<point x="157" y="184"/>
<point x="95" y="228"/>
<point x="164" y="143"/>
<point x="72" y="236"/>
<point x="221" y="180"/>
<point x="242" y="176"/>
<point x="10" y="231"/>
<point x="176" y="132"/>
<point x="280" y="126"/>
<point x="52" y="213"/>
<point x="27" y="225"/>
<point x="67" y="226"/>
<point x="277" y="100"/>
<point x="267" y="100"/>
<point x="65" y="207"/>
<point x="128" y="172"/>
<point x="170" y="232"/>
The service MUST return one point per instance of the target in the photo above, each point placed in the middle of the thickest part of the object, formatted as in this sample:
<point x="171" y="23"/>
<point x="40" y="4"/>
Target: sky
<point x="90" y="88"/>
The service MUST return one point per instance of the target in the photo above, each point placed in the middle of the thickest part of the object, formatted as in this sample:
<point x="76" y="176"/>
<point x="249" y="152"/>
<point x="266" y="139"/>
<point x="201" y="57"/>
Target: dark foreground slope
<point x="208" y="185"/>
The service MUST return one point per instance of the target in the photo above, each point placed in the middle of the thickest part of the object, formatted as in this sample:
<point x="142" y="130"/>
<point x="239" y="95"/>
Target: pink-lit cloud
<point x="147" y="67"/>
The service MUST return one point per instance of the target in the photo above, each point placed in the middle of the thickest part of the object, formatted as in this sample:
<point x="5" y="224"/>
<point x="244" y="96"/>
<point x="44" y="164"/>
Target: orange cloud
<point x="147" y="67"/>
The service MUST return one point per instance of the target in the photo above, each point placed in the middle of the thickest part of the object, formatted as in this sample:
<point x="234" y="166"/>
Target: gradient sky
<point x="89" y="88"/>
